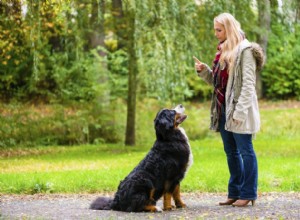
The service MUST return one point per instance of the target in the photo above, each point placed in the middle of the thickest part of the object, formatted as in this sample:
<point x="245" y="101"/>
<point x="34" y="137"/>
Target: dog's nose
<point x="180" y="105"/>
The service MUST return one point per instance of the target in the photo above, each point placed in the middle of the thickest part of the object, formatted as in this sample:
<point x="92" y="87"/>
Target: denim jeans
<point x="242" y="163"/>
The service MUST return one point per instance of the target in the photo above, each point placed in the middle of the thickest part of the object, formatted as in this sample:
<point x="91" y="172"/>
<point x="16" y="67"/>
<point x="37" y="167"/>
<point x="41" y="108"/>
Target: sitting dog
<point x="159" y="173"/>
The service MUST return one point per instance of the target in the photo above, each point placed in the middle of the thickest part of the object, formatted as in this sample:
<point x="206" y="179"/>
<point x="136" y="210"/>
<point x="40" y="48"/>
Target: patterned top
<point x="220" y="76"/>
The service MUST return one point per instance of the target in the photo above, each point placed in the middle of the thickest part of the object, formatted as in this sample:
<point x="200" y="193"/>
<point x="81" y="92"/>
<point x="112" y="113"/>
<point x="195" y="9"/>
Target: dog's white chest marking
<point x="191" y="159"/>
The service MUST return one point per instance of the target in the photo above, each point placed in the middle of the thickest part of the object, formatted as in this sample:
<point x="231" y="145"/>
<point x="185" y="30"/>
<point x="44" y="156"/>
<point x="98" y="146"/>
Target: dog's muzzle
<point x="180" y="116"/>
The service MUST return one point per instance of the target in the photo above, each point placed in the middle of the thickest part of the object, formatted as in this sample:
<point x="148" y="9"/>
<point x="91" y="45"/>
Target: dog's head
<point x="169" y="119"/>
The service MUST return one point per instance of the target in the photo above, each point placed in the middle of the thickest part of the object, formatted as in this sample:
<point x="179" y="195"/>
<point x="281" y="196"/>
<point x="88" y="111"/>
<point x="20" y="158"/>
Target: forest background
<point x="80" y="72"/>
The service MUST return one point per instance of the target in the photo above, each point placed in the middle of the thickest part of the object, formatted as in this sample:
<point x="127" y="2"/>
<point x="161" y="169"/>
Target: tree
<point x="14" y="53"/>
<point x="132" y="83"/>
<point x="160" y="47"/>
<point x="264" y="22"/>
<point x="124" y="28"/>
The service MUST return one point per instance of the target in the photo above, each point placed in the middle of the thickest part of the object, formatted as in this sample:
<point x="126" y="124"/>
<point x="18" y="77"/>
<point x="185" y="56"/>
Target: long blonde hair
<point x="234" y="35"/>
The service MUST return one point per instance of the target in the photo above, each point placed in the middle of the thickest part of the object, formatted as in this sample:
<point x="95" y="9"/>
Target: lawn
<point x="100" y="168"/>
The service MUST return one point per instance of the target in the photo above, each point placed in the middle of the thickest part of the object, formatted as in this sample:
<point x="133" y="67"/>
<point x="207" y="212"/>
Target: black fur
<point x="103" y="202"/>
<point x="160" y="171"/>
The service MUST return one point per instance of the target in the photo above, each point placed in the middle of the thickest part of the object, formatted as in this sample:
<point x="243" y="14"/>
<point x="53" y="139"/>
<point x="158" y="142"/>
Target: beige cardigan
<point x="241" y="100"/>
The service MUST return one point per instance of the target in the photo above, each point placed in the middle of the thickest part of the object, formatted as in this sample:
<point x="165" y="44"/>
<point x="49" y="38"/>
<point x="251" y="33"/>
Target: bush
<point x="281" y="73"/>
<point x="29" y="125"/>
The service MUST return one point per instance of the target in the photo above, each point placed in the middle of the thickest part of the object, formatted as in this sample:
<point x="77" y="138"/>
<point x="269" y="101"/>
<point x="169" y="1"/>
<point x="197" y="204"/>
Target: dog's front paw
<point x="180" y="205"/>
<point x="168" y="208"/>
<point x="158" y="209"/>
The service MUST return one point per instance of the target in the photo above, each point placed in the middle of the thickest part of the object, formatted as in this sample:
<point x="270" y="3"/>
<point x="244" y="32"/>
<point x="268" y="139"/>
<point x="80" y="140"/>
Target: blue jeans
<point x="242" y="163"/>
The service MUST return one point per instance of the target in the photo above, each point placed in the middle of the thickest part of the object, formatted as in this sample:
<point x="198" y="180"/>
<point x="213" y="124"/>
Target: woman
<point x="234" y="109"/>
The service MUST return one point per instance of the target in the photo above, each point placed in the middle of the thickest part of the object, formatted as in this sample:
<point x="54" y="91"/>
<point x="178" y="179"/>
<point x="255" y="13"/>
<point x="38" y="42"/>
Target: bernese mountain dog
<point x="159" y="173"/>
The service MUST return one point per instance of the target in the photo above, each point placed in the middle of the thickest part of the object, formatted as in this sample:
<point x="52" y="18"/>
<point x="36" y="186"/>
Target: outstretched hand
<point x="199" y="66"/>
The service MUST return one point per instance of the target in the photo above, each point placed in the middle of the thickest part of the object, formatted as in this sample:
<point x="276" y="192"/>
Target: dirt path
<point x="200" y="206"/>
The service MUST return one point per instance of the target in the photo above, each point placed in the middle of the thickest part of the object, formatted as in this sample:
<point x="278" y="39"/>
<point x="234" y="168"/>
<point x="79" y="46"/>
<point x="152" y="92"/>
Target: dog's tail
<point x="102" y="203"/>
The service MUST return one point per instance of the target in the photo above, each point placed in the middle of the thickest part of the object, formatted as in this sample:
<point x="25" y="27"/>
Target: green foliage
<point x="28" y="125"/>
<point x="83" y="79"/>
<point x="44" y="57"/>
<point x="281" y="73"/>
<point x="46" y="53"/>
<point x="201" y="90"/>
<point x="118" y="73"/>
<point x="15" y="56"/>
<point x="165" y="43"/>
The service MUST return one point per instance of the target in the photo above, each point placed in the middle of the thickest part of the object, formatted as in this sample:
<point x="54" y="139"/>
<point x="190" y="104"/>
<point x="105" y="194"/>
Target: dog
<point x="159" y="173"/>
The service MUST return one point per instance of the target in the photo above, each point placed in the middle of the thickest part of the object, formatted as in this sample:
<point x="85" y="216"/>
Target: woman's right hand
<point x="199" y="66"/>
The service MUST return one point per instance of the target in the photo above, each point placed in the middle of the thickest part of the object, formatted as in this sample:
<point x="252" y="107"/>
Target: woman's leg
<point x="234" y="161"/>
<point x="245" y="146"/>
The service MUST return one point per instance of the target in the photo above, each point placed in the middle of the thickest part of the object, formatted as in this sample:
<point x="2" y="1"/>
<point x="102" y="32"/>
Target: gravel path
<point x="200" y="206"/>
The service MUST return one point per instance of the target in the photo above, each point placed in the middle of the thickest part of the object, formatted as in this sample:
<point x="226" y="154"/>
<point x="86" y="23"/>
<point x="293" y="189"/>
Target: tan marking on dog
<point x="177" y="198"/>
<point x="175" y="123"/>
<point x="167" y="201"/>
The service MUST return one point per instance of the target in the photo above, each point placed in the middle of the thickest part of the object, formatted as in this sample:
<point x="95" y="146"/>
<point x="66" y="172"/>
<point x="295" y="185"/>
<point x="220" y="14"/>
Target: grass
<point x="277" y="171"/>
<point x="100" y="168"/>
<point x="68" y="169"/>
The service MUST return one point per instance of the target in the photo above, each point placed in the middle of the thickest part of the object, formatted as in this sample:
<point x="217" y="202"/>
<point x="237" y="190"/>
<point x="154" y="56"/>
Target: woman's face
<point x="220" y="32"/>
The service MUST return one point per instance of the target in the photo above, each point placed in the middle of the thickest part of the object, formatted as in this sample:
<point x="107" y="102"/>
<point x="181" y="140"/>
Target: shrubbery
<point x="29" y="125"/>
<point x="281" y="73"/>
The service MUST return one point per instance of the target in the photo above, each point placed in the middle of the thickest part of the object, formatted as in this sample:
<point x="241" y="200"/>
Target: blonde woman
<point x="234" y="110"/>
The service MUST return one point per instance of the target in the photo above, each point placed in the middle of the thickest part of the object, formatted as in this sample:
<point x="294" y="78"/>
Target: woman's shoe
<point x="243" y="203"/>
<point x="228" y="202"/>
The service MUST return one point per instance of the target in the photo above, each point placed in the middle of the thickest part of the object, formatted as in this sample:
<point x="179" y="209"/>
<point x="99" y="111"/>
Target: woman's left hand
<point x="237" y="122"/>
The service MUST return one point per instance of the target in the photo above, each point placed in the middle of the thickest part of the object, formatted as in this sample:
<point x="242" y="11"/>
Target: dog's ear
<point x="164" y="119"/>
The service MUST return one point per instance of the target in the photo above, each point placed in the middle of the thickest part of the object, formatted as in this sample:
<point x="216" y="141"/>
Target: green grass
<point x="278" y="166"/>
<point x="100" y="168"/>
<point x="68" y="169"/>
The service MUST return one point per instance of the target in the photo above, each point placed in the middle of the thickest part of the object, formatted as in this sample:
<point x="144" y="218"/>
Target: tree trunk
<point x="132" y="84"/>
<point x="264" y="20"/>
<point x="119" y="23"/>
<point x="124" y="25"/>
<point x="97" y="35"/>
